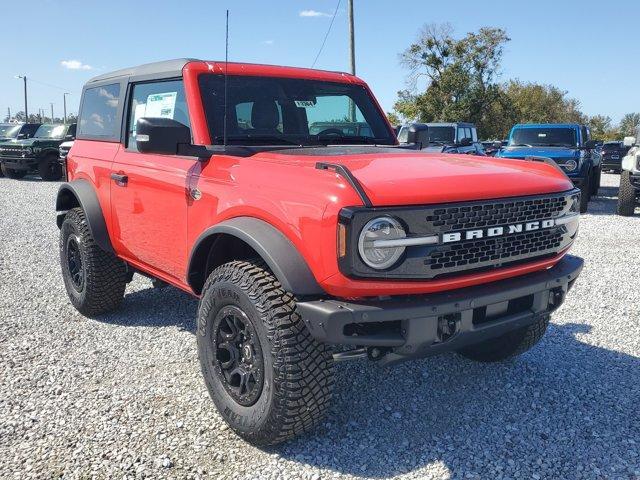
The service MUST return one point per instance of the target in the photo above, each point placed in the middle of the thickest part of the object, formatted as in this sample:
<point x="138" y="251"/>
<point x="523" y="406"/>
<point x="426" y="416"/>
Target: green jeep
<point x="37" y="154"/>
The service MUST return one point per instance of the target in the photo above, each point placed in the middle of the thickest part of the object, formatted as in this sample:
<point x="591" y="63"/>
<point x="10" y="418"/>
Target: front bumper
<point x="19" y="163"/>
<point x="611" y="164"/>
<point x="423" y="325"/>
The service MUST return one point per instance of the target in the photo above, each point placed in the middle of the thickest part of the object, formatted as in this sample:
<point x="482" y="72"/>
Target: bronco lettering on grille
<point x="452" y="237"/>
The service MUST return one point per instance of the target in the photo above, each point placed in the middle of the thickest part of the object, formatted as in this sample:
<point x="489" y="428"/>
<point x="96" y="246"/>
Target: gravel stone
<point x="122" y="396"/>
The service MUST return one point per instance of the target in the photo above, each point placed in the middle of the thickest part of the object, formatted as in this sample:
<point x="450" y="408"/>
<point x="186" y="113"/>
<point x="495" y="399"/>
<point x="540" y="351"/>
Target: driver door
<point x="149" y="193"/>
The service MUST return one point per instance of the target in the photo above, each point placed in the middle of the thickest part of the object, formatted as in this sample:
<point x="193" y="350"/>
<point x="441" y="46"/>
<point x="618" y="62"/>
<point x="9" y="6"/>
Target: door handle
<point x="120" y="179"/>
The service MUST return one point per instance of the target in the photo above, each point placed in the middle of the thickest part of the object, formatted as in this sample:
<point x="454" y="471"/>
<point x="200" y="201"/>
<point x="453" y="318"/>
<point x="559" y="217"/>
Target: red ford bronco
<point x="206" y="176"/>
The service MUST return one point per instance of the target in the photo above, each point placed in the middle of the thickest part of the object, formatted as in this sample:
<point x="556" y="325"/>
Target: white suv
<point x="630" y="177"/>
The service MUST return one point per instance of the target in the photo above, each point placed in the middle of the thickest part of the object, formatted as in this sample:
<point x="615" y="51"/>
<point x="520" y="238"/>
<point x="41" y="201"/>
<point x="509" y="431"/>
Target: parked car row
<point x="568" y="146"/>
<point x="33" y="148"/>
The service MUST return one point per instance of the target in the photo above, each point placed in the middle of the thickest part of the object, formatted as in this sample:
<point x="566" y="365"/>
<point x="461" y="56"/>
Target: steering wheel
<point x="331" y="131"/>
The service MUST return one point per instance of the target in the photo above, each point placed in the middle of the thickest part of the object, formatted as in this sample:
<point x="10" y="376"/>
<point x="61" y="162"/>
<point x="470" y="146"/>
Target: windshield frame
<point x="373" y="116"/>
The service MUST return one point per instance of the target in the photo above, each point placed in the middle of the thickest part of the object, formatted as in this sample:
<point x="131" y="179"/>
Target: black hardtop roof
<point x="166" y="68"/>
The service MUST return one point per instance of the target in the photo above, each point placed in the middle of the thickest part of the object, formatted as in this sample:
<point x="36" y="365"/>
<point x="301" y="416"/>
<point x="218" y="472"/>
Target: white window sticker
<point x="161" y="105"/>
<point x="138" y="113"/>
<point x="305" y="103"/>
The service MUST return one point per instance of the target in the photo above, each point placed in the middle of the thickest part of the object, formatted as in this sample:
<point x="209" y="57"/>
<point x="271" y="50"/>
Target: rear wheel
<point x="94" y="279"/>
<point x="12" y="172"/>
<point x="50" y="168"/>
<point x="269" y="378"/>
<point x="511" y="344"/>
<point x="585" y="193"/>
<point x="626" y="195"/>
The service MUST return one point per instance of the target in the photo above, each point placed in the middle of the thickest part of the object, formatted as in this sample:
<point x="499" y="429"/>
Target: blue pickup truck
<point x="568" y="145"/>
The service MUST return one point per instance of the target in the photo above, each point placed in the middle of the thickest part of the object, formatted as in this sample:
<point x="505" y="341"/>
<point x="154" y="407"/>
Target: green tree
<point x="628" y="124"/>
<point x="460" y="76"/>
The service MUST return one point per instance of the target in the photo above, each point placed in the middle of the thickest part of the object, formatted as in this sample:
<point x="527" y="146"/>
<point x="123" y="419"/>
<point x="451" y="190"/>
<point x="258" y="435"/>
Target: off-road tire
<point x="12" y="173"/>
<point x="297" y="379"/>
<point x="585" y="193"/>
<point x="597" y="179"/>
<point x="509" y="345"/>
<point x="50" y="168"/>
<point x="626" y="195"/>
<point x="104" y="275"/>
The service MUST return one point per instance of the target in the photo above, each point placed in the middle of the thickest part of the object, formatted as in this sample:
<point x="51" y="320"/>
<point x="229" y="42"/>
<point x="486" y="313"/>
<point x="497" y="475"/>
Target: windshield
<point x="543" y="137"/>
<point x="51" y="131"/>
<point x="288" y="111"/>
<point x="612" y="146"/>
<point x="441" y="134"/>
<point x="9" y="131"/>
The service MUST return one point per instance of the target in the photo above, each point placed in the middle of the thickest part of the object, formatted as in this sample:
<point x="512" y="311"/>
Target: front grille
<point x="466" y="217"/>
<point x="10" y="151"/>
<point x="459" y="256"/>
<point x="495" y="249"/>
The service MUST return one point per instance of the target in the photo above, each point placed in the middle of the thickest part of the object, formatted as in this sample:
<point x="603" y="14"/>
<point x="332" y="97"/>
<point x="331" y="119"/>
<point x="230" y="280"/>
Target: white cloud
<point x="313" y="13"/>
<point x="75" y="65"/>
<point x="268" y="42"/>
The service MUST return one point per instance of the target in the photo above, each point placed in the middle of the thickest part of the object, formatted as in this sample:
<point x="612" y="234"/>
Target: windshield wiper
<point x="520" y="145"/>
<point x="257" y="139"/>
<point x="345" y="140"/>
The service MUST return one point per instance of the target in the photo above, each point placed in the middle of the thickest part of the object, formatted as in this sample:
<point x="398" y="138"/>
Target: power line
<point x="47" y="84"/>
<point x="326" y="35"/>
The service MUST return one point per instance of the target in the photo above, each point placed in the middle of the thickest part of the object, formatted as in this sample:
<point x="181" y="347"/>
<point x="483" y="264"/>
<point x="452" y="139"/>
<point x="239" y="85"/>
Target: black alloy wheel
<point x="74" y="262"/>
<point x="239" y="359"/>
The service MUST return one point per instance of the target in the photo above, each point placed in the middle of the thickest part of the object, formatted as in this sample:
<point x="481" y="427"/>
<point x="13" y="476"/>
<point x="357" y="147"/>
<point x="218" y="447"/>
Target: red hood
<point x="413" y="178"/>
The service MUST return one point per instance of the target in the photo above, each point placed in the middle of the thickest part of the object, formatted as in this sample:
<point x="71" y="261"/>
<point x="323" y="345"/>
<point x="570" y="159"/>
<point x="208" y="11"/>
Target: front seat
<point x="265" y="118"/>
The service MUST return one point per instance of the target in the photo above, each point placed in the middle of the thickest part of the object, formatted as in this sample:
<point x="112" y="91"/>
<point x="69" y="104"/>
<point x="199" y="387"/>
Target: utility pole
<point x="64" y="105"/>
<point x="51" y="103"/>
<point x="26" y="112"/>
<point x="9" y="113"/>
<point x="352" y="57"/>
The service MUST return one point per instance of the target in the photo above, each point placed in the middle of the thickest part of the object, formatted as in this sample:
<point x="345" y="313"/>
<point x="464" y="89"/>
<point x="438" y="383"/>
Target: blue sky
<point x="588" y="48"/>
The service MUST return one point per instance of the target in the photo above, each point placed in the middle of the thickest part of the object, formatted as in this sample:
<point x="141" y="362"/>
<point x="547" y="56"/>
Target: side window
<point x="586" y="135"/>
<point x="474" y="134"/>
<point x="72" y="130"/>
<point x="98" y="117"/>
<point x="460" y="134"/>
<point x="156" y="100"/>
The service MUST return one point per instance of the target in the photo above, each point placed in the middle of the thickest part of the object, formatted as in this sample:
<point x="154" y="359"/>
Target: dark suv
<point x="37" y="154"/>
<point x="612" y="154"/>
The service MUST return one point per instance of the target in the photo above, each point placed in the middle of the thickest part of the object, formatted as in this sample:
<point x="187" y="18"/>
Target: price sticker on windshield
<point x="305" y="103"/>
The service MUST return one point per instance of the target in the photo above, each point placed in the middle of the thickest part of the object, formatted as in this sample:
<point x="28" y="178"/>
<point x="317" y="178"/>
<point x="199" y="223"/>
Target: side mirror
<point x="161" y="135"/>
<point x="629" y="141"/>
<point x="416" y="133"/>
<point x="591" y="144"/>
<point x="22" y="136"/>
<point x="68" y="138"/>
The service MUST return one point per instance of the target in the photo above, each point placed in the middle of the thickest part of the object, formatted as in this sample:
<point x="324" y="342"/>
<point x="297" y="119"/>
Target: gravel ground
<point x="123" y="396"/>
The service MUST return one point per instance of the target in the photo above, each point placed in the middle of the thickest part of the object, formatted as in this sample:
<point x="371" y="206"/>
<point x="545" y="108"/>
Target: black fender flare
<point x="280" y="255"/>
<point x="80" y="193"/>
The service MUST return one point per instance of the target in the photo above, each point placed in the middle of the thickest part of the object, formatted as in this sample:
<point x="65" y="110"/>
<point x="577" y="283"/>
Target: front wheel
<point x="12" y="172"/>
<point x="511" y="344"/>
<point x="626" y="195"/>
<point x="268" y="377"/>
<point x="50" y="168"/>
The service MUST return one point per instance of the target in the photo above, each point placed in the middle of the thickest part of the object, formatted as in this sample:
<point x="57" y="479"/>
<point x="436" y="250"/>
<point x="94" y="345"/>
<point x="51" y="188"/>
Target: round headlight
<point x="371" y="243"/>
<point x="28" y="151"/>
<point x="570" y="165"/>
